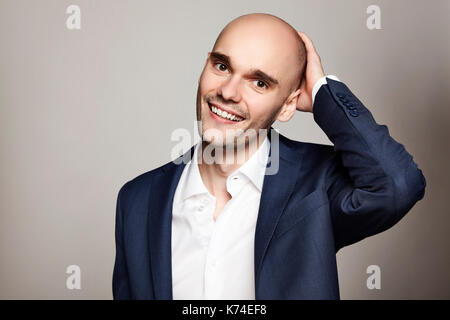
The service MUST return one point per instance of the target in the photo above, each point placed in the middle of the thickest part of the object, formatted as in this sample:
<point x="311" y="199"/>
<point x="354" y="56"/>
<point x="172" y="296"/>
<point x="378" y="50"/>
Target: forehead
<point x="265" y="46"/>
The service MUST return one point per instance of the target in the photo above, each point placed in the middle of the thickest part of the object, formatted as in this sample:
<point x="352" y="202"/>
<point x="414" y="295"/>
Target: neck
<point x="217" y="163"/>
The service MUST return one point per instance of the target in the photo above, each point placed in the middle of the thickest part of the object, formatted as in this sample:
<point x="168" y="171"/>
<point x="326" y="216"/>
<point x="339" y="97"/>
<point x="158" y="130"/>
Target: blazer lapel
<point x="275" y="194"/>
<point x="163" y="190"/>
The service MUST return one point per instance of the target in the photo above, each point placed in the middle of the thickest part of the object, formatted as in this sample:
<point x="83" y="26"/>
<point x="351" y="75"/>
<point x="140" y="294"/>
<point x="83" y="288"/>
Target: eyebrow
<point x="254" y="73"/>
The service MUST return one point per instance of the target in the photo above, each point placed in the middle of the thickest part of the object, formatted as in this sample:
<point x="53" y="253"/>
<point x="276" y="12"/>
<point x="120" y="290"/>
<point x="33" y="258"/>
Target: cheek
<point x="262" y="108"/>
<point x="209" y="82"/>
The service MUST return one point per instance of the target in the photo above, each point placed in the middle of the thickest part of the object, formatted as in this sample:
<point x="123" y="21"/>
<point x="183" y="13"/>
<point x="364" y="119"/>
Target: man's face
<point x="249" y="75"/>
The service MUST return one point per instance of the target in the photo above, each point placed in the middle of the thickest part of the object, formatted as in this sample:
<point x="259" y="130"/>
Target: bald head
<point x="273" y="37"/>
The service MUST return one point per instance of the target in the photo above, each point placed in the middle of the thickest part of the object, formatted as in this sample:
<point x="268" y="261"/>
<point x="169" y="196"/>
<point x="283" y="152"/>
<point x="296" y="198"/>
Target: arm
<point x="120" y="284"/>
<point x="372" y="181"/>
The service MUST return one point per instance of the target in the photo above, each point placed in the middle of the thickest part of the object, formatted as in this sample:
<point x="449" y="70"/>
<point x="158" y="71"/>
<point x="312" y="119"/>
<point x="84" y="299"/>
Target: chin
<point x="229" y="138"/>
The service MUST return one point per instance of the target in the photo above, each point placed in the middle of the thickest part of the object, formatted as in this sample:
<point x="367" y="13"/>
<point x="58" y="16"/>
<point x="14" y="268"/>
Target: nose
<point x="230" y="90"/>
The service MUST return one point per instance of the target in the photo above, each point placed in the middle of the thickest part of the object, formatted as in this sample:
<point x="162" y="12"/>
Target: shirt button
<point x="201" y="207"/>
<point x="204" y="201"/>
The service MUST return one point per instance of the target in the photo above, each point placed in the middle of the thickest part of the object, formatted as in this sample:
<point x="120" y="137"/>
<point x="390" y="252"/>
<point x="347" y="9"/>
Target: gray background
<point x="84" y="111"/>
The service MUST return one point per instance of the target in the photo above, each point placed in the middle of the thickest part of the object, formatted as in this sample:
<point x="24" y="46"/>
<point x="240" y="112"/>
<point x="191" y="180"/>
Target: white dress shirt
<point x="215" y="260"/>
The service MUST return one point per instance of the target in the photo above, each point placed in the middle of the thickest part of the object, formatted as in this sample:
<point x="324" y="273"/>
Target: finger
<point x="305" y="38"/>
<point x="311" y="52"/>
<point x="308" y="42"/>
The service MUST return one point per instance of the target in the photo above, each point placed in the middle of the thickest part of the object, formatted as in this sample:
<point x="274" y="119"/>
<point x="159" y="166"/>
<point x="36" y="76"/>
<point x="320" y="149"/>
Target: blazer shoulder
<point x="310" y="149"/>
<point x="141" y="184"/>
<point x="315" y="157"/>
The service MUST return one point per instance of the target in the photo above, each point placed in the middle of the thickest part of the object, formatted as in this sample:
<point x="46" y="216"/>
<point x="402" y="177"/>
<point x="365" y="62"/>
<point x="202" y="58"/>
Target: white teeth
<point x="224" y="114"/>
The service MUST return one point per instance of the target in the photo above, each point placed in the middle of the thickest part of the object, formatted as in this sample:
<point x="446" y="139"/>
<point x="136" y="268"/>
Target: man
<point x="230" y="230"/>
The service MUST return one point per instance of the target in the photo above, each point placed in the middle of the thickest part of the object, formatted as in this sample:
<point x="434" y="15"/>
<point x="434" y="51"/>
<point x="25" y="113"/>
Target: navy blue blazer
<point x="322" y="199"/>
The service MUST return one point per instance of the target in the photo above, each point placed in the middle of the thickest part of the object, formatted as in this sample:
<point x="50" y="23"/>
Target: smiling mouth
<point x="223" y="114"/>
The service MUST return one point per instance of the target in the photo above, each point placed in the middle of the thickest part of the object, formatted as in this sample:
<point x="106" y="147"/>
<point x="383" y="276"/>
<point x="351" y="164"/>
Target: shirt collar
<point x="193" y="181"/>
<point x="254" y="169"/>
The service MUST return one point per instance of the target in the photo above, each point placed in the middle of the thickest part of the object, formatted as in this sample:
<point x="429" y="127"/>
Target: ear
<point x="288" y="109"/>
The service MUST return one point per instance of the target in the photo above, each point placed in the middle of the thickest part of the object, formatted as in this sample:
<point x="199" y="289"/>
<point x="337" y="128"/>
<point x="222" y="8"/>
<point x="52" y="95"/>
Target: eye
<point x="261" y="84"/>
<point x="220" y="66"/>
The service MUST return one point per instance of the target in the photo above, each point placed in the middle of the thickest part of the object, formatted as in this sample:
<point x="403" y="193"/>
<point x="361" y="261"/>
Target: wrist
<point x="321" y="81"/>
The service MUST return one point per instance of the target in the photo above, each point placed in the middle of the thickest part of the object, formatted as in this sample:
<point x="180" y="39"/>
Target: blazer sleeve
<point x="120" y="284"/>
<point x="372" y="181"/>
